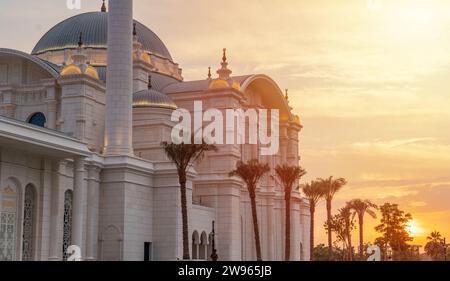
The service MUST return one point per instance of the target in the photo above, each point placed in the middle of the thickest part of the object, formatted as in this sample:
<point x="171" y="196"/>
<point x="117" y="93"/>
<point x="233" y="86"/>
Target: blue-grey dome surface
<point x="94" y="26"/>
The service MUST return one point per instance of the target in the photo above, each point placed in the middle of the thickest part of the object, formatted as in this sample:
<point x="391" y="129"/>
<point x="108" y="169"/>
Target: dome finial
<point x="80" y="40"/>
<point x="103" y="9"/>
<point x="134" y="29"/>
<point x="224" y="72"/>
<point x="149" y="82"/>
<point x="224" y="57"/>
<point x="209" y="73"/>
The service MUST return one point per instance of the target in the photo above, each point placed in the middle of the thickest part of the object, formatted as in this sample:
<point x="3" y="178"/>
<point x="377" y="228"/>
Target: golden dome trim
<point x="71" y="69"/>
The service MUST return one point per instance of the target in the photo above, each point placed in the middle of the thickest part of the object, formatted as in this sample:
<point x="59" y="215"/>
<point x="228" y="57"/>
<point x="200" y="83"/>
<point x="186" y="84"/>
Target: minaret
<point x="119" y="79"/>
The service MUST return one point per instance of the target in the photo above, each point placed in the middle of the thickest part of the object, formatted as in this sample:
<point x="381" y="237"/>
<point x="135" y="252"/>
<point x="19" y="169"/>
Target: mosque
<point x="81" y="163"/>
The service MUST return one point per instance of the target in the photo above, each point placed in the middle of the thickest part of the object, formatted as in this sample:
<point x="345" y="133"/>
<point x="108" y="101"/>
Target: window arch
<point x="8" y="220"/>
<point x="195" y="243"/>
<point x="38" y="119"/>
<point x="67" y="229"/>
<point x="29" y="223"/>
<point x="202" y="255"/>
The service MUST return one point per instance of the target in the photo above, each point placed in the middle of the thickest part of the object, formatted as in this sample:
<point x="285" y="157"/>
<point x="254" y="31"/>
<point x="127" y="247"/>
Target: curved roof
<point x="49" y="67"/>
<point x="153" y="98"/>
<point x="94" y="26"/>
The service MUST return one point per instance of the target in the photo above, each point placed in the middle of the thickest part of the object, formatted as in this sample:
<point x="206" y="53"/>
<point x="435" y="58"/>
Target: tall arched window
<point x="38" y="119"/>
<point x="195" y="242"/>
<point x="67" y="230"/>
<point x="29" y="223"/>
<point x="202" y="247"/>
<point x="8" y="227"/>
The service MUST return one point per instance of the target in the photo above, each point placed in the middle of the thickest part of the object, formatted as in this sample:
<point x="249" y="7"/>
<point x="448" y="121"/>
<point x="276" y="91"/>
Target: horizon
<point x="368" y="82"/>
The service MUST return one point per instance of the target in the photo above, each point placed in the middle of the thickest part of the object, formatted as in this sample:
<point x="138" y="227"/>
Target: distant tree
<point x="251" y="172"/>
<point x="320" y="253"/>
<point x="331" y="186"/>
<point x="342" y="225"/>
<point x="361" y="207"/>
<point x="393" y="229"/>
<point x="435" y="246"/>
<point x="288" y="175"/>
<point x="313" y="192"/>
<point x="183" y="155"/>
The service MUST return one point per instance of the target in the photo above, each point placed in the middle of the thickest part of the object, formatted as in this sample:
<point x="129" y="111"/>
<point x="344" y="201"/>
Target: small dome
<point x="218" y="84"/>
<point x="70" y="69"/>
<point x="91" y="71"/>
<point x="236" y="85"/>
<point x="297" y="120"/>
<point x="145" y="57"/>
<point x="153" y="98"/>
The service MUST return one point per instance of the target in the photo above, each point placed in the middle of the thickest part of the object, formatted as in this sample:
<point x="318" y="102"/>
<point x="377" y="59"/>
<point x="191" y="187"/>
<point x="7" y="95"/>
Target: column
<point x="119" y="82"/>
<point x="51" y="114"/>
<point x="93" y="186"/>
<point x="77" y="211"/>
<point x="55" y="218"/>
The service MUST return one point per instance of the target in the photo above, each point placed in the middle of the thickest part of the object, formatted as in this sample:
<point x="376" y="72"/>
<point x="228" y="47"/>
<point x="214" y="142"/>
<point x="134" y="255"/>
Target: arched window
<point x="8" y="227"/>
<point x="29" y="218"/>
<point x="202" y="247"/>
<point x="38" y="119"/>
<point x="67" y="230"/>
<point x="195" y="242"/>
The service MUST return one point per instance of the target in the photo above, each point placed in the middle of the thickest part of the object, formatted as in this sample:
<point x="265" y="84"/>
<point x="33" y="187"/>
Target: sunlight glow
<point x="415" y="229"/>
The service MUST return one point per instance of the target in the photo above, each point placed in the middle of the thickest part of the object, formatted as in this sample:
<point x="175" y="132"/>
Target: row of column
<point x="85" y="207"/>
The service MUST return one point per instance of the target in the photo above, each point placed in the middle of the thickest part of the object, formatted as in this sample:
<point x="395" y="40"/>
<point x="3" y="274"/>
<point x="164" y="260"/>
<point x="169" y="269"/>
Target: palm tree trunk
<point x="184" y="215"/>
<point x="361" y="237"/>
<point x="350" y="248"/>
<point x="311" y="232"/>
<point x="255" y="226"/>
<point x="287" y="252"/>
<point x="330" y="242"/>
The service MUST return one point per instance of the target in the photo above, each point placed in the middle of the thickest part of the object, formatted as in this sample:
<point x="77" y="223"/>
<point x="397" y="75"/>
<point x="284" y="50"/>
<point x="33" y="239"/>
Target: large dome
<point x="94" y="26"/>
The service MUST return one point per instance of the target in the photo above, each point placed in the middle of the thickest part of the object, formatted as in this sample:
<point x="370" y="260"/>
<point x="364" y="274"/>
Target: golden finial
<point x="224" y="57"/>
<point x="209" y="72"/>
<point x="103" y="7"/>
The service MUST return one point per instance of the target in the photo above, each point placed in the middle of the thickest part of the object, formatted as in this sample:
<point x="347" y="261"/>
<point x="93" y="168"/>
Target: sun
<point x="414" y="229"/>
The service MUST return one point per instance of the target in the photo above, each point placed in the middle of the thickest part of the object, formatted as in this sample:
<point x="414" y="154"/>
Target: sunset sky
<point x="370" y="80"/>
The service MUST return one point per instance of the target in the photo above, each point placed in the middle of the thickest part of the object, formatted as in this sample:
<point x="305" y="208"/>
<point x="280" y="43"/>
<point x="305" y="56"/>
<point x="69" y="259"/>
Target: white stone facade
<point x="93" y="172"/>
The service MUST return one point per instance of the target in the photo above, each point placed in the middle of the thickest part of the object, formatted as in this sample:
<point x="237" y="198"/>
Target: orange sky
<point x="369" y="79"/>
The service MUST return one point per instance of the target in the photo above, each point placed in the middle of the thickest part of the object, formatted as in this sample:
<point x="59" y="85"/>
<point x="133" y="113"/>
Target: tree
<point x="349" y="224"/>
<point x="313" y="192"/>
<point x="320" y="253"/>
<point x="435" y="246"/>
<point x="251" y="172"/>
<point x="361" y="208"/>
<point x="331" y="186"/>
<point x="342" y="225"/>
<point x="393" y="229"/>
<point x="288" y="175"/>
<point x="183" y="155"/>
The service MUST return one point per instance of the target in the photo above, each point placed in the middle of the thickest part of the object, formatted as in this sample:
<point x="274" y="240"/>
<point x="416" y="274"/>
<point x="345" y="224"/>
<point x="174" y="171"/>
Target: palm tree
<point x="288" y="175"/>
<point x="435" y="247"/>
<point x="346" y="214"/>
<point x="331" y="186"/>
<point x="313" y="192"/>
<point x="361" y="208"/>
<point x="251" y="172"/>
<point x="183" y="155"/>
